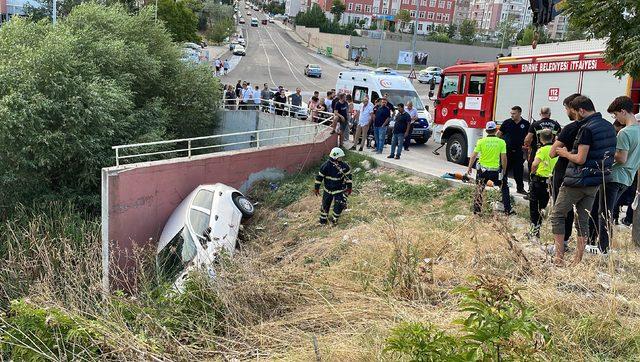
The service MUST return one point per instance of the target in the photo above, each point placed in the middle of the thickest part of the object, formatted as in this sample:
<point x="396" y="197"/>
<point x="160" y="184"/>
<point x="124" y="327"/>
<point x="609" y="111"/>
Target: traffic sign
<point x="412" y="75"/>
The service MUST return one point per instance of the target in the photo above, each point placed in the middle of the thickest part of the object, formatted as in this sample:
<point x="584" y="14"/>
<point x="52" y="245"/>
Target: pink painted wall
<point x="141" y="198"/>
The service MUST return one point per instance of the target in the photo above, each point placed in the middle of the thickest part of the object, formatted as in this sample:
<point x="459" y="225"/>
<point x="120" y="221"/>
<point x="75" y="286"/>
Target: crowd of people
<point x="588" y="168"/>
<point x="367" y="121"/>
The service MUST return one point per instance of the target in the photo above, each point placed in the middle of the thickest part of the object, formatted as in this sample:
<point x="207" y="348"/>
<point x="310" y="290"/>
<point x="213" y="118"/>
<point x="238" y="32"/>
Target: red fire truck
<point x="470" y="95"/>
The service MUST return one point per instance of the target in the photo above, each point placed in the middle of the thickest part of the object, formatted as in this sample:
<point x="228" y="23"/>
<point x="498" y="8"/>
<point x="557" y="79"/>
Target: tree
<point x="312" y="18"/>
<point x="573" y="33"/>
<point x="404" y="17"/>
<point x="179" y="19"/>
<point x="337" y="9"/>
<point x="452" y="30"/>
<point x="526" y="36"/>
<point x="507" y="31"/>
<point x="217" y="20"/>
<point x="467" y="31"/>
<point x="618" y="21"/>
<point x="101" y="77"/>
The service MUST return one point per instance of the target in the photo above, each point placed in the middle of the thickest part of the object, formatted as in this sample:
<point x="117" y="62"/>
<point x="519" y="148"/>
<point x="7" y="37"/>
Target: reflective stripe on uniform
<point x="334" y="192"/>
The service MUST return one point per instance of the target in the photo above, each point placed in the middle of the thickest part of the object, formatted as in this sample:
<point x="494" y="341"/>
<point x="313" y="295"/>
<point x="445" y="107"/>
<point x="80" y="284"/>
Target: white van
<point x="386" y="82"/>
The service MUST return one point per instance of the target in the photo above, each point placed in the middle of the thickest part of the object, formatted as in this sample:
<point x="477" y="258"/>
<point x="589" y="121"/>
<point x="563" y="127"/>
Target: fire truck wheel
<point x="457" y="149"/>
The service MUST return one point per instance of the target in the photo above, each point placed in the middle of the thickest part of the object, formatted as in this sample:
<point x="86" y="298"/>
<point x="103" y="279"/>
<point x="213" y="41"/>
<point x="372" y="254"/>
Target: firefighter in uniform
<point x="336" y="176"/>
<point x="491" y="153"/>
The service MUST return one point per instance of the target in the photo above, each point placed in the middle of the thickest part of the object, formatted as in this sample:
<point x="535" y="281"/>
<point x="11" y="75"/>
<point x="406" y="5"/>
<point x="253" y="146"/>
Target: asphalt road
<point x="274" y="57"/>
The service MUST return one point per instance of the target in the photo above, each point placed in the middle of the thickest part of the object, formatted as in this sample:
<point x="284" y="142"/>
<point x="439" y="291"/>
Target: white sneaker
<point x="592" y="249"/>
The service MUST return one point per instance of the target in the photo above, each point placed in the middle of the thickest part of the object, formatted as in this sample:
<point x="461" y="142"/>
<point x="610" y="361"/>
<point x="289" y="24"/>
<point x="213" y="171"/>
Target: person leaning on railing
<point x="230" y="98"/>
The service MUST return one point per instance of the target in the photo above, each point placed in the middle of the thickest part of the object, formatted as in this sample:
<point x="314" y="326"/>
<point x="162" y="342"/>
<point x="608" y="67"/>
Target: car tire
<point x="420" y="141"/>
<point x="244" y="205"/>
<point x="457" y="149"/>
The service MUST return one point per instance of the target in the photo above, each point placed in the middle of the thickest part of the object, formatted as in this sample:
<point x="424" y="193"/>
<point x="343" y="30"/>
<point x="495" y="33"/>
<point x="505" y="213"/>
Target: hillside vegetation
<point x="383" y="285"/>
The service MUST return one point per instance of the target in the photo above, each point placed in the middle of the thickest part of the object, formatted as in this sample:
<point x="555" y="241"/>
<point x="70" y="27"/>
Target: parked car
<point x="313" y="70"/>
<point x="425" y="75"/>
<point x="248" y="13"/>
<point x="193" y="46"/>
<point x="190" y="55"/>
<point x="241" y="21"/>
<point x="270" y="19"/>
<point x="233" y="44"/>
<point x="239" y="50"/>
<point x="242" y="42"/>
<point x="203" y="226"/>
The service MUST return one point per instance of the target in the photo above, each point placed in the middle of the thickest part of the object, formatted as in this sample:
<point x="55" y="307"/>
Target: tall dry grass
<point x="300" y="292"/>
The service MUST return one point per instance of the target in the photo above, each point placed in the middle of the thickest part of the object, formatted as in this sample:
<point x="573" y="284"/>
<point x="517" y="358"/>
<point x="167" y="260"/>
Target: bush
<point x="498" y="326"/>
<point x="100" y="77"/>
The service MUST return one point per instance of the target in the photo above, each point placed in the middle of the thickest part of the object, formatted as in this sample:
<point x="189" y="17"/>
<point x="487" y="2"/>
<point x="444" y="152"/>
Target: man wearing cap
<point x="336" y="176"/>
<point x="491" y="153"/>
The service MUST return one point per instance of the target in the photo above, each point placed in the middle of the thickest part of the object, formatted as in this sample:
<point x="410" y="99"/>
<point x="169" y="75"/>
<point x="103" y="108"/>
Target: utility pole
<point x="156" y="11"/>
<point x="54" y="12"/>
<point x="380" y="43"/>
<point x="415" y="35"/>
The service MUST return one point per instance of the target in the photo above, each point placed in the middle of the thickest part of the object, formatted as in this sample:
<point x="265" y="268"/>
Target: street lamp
<point x="54" y="12"/>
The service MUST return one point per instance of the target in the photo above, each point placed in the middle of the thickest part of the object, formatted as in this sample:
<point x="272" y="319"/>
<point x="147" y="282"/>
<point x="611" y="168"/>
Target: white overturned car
<point x="203" y="226"/>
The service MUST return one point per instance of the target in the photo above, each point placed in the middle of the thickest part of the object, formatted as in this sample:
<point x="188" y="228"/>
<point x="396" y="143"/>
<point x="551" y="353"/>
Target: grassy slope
<point x="348" y="285"/>
<point x="295" y="281"/>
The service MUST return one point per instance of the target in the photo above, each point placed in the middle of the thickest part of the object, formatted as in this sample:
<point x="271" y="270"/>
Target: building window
<point x="376" y="10"/>
<point x="394" y="11"/>
<point x="445" y="17"/>
<point x="413" y="2"/>
<point x="367" y="9"/>
<point x="423" y="2"/>
<point x="448" y="4"/>
<point x="405" y="1"/>
<point x="438" y="17"/>
<point x="432" y="3"/>
<point x="420" y="26"/>
<point x="430" y="15"/>
<point x="422" y="14"/>
<point x="350" y="6"/>
<point x="358" y="7"/>
<point x="385" y="11"/>
<point x="441" y="4"/>
<point x="412" y="13"/>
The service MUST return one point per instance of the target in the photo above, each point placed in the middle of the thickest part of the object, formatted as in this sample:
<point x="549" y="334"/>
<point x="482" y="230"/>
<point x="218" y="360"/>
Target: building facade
<point x="461" y="11"/>
<point x="489" y="14"/>
<point x="9" y="8"/>
<point x="558" y="27"/>
<point x="429" y="13"/>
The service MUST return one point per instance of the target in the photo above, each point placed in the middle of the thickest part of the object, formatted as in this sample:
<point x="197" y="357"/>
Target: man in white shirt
<point x="328" y="102"/>
<point x="247" y="96"/>
<point x="414" y="118"/>
<point x="256" y="97"/>
<point x="364" y="115"/>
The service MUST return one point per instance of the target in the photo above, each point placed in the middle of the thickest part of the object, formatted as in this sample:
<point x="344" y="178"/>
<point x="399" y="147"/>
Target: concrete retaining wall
<point x="440" y="54"/>
<point x="316" y="39"/>
<point x="138" y="199"/>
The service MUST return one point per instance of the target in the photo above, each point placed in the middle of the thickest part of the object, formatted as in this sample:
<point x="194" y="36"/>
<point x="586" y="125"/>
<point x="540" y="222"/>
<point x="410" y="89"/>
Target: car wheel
<point x="244" y="205"/>
<point x="420" y="141"/>
<point x="457" y="149"/>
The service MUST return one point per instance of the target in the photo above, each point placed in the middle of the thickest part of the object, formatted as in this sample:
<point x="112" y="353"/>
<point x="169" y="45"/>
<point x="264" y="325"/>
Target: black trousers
<point x="538" y="200"/>
<point x="339" y="204"/>
<point x="481" y="182"/>
<point x="600" y="225"/>
<point x="515" y="164"/>
<point x="556" y="182"/>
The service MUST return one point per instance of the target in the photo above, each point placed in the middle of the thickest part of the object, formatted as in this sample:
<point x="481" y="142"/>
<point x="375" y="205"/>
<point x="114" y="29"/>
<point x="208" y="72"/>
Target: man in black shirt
<point x="340" y="109"/>
<point x="532" y="142"/>
<point x="565" y="138"/>
<point x="513" y="131"/>
<point x="238" y="88"/>
<point x="400" y="131"/>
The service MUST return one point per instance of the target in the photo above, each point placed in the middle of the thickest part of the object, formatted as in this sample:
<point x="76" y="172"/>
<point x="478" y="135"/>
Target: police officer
<point x="491" y="153"/>
<point x="336" y="175"/>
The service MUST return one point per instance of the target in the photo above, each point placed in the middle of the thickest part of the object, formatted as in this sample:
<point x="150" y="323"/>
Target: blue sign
<point x="385" y="17"/>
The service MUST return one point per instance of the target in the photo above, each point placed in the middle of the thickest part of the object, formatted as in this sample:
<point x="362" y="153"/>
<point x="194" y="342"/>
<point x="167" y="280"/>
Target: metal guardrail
<point x="283" y="109"/>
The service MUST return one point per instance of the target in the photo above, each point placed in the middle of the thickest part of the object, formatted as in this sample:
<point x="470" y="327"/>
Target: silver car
<point x="204" y="225"/>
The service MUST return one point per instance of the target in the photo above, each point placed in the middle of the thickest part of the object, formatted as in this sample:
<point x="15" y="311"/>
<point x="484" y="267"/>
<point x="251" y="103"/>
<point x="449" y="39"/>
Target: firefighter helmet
<point x="336" y="153"/>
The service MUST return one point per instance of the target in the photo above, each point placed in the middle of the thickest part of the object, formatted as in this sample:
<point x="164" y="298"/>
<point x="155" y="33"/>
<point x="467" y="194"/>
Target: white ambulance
<point x="385" y="82"/>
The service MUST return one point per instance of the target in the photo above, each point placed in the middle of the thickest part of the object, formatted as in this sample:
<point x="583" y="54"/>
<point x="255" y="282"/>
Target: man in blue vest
<point x="590" y="162"/>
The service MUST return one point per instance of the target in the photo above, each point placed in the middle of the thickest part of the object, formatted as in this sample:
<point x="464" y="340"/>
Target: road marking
<point x="268" y="61"/>
<point x="285" y="59"/>
<point x="295" y="51"/>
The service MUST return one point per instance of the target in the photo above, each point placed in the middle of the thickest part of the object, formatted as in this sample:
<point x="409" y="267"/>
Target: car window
<point x="449" y="85"/>
<point x="203" y="199"/>
<point x="477" y="83"/>
<point x="199" y="221"/>
<point x="359" y="93"/>
<point x="463" y="84"/>
<point x="174" y="257"/>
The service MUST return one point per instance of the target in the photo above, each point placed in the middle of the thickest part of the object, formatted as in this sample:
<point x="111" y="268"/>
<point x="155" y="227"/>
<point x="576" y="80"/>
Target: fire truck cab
<point x="470" y="95"/>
